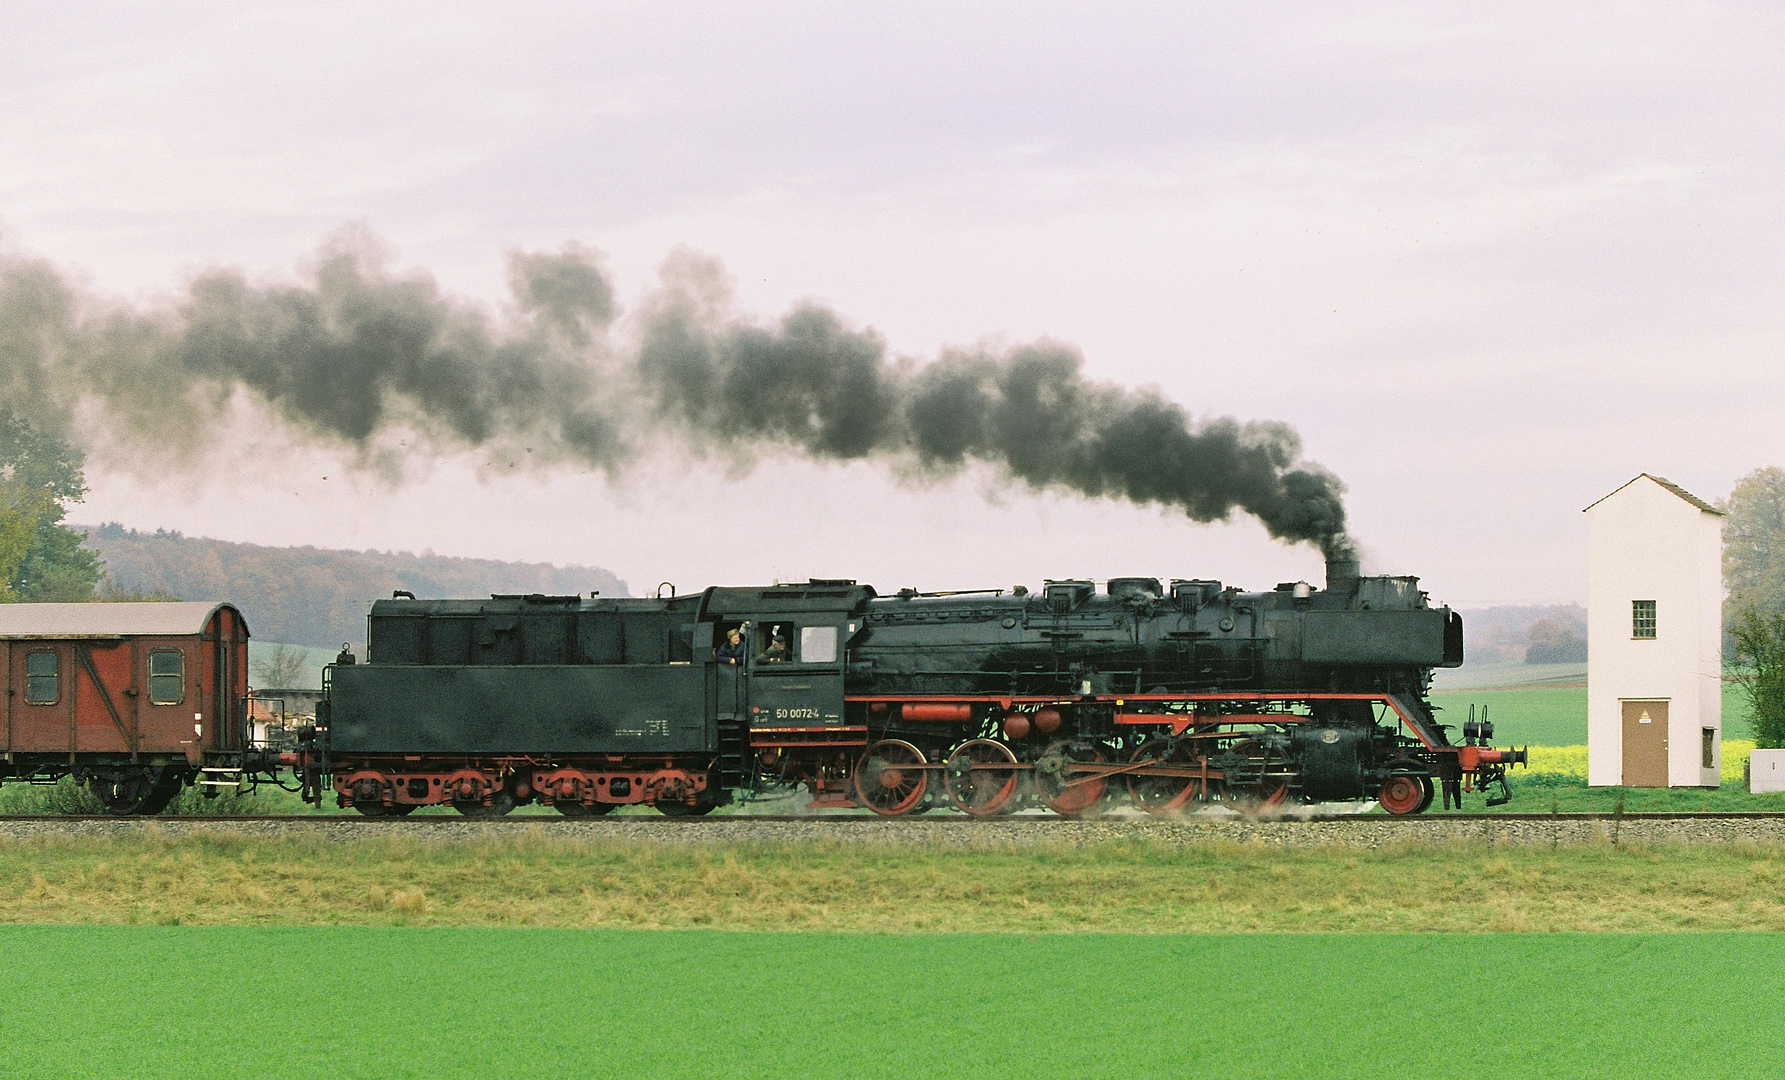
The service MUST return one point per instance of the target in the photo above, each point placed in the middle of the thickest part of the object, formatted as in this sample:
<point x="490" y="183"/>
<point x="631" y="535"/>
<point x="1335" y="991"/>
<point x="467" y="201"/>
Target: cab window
<point x="818" y="644"/>
<point x="773" y="643"/>
<point x="167" y="678"/>
<point x="42" y="678"/>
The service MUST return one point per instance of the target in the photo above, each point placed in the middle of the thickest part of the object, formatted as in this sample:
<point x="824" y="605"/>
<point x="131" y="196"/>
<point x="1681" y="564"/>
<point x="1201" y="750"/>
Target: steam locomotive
<point x="1173" y="696"/>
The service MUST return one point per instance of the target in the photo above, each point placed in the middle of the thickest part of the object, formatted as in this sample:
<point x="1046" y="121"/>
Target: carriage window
<point x="818" y="644"/>
<point x="41" y="678"/>
<point x="167" y="678"/>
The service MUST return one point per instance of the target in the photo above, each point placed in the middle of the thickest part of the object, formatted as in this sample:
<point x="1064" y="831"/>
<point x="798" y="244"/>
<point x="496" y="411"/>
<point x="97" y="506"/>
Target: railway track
<point x="951" y="832"/>
<point x="946" y="820"/>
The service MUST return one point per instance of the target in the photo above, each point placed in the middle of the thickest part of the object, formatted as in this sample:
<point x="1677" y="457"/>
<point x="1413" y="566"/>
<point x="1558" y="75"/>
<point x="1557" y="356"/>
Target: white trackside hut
<point x="1654" y="637"/>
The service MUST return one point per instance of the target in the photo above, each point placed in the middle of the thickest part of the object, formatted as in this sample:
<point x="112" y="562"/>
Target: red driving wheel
<point x="890" y="778"/>
<point x="1402" y="795"/>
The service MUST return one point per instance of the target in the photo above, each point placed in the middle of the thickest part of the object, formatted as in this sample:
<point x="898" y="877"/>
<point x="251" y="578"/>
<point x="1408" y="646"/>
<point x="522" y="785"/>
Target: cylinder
<point x="931" y="711"/>
<point x="1048" y="719"/>
<point x="1016" y="726"/>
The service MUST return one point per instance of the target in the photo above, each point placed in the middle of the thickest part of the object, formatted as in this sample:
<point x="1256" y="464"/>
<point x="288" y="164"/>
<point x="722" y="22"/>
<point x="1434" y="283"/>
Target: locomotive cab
<point x="798" y="639"/>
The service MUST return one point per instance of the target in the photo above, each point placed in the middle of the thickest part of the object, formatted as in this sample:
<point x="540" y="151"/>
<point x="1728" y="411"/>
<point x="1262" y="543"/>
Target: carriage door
<point x="40" y="702"/>
<point x="796" y="673"/>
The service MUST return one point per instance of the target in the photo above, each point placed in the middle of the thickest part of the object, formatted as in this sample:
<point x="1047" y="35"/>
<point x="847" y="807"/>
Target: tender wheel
<point x="1064" y="792"/>
<point x="890" y="778"/>
<point x="122" y="794"/>
<point x="500" y="805"/>
<point x="1164" y="794"/>
<point x="1402" y="795"/>
<point x="577" y="809"/>
<point x="381" y="810"/>
<point x="977" y="779"/>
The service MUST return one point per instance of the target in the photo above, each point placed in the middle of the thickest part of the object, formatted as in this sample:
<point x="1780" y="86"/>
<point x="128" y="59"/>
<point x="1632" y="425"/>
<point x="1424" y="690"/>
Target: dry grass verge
<point x="1130" y="886"/>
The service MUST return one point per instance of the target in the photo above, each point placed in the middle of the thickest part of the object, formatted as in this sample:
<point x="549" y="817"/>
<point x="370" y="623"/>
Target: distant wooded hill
<point x="1552" y="634"/>
<point x="314" y="596"/>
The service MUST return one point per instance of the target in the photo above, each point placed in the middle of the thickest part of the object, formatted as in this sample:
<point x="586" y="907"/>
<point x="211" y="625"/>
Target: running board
<point x="206" y="781"/>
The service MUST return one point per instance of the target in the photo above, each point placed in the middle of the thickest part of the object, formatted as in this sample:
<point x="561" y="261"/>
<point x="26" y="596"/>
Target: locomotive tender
<point x="1173" y="696"/>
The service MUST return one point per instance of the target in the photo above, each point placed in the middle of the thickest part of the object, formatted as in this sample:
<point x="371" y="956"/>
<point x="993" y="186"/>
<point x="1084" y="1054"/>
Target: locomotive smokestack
<point x="1342" y="571"/>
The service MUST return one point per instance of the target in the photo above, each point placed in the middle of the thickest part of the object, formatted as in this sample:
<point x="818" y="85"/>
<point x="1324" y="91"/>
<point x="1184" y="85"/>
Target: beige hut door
<point x="1645" y="744"/>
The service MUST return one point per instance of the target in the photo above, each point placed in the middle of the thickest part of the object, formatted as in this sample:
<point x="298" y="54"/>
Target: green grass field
<point x="201" y="1003"/>
<point x="1538" y="793"/>
<point x="1553" y="716"/>
<point x="1126" y="959"/>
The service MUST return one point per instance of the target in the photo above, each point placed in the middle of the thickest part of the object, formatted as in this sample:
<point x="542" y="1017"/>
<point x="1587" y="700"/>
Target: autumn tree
<point x="1754" y="577"/>
<point x="1760" y="654"/>
<point x="280" y="666"/>
<point x="1754" y="543"/>
<point x="40" y="558"/>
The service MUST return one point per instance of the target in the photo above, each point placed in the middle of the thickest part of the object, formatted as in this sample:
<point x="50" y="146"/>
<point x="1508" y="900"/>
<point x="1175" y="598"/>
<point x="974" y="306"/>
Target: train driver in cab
<point x="776" y="650"/>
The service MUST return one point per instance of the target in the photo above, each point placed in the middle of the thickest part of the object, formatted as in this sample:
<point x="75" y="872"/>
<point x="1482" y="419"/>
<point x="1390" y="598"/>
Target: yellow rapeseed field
<point x="1571" y="761"/>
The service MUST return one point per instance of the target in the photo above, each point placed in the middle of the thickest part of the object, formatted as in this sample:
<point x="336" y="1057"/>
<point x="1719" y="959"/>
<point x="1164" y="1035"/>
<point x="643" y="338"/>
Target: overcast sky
<point x="1490" y="260"/>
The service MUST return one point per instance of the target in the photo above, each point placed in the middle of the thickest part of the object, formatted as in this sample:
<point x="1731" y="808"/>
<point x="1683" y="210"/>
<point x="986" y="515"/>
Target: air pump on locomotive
<point x="1173" y="696"/>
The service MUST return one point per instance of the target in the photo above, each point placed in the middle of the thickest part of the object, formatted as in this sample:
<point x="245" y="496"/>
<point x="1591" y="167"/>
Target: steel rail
<point x="1289" y="817"/>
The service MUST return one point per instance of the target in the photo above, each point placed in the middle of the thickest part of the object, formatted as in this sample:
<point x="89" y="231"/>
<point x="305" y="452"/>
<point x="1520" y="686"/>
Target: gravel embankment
<point x="1361" y="832"/>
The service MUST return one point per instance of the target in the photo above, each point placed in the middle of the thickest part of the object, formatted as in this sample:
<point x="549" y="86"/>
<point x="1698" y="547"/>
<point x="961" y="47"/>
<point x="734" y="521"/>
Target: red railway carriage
<point x="134" y="700"/>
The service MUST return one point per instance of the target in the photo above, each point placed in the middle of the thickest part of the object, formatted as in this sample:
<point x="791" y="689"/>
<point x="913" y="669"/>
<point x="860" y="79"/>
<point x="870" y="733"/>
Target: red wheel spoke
<point x="981" y="777"/>
<point x="890" y="778"/>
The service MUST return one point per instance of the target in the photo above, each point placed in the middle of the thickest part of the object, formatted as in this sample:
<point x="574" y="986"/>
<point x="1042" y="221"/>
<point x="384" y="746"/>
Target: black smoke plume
<point x="357" y="354"/>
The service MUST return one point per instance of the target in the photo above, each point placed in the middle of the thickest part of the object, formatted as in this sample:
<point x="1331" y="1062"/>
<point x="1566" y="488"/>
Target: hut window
<point x="41" y="678"/>
<point x="167" y="678"/>
<point x="1642" y="618"/>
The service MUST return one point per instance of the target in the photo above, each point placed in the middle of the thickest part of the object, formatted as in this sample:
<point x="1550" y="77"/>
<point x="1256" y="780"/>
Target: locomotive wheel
<point x="500" y="804"/>
<point x="1163" y="794"/>
<point x="1431" y="789"/>
<point x="1259" y="789"/>
<point x="890" y="778"/>
<point x="1249" y="803"/>
<point x="577" y="809"/>
<point x="975" y="779"/>
<point x="1060" y="791"/>
<point x="1402" y="795"/>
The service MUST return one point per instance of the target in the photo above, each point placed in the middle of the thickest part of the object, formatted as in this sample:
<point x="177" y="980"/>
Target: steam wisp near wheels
<point x="981" y="777"/>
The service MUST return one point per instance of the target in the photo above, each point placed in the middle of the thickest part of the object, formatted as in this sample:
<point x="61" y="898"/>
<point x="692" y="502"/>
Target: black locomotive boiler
<point x="1172" y="696"/>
